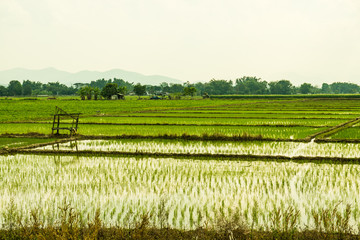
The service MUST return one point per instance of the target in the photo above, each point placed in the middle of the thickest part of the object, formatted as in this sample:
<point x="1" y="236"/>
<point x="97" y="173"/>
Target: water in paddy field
<point x="261" y="148"/>
<point x="189" y="192"/>
<point x="301" y="147"/>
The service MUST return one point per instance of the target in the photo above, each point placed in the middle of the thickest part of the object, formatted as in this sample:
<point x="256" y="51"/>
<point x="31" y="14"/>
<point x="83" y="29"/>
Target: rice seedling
<point x="261" y="148"/>
<point x="176" y="193"/>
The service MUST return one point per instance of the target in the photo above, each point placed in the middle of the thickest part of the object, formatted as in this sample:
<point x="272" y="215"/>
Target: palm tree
<point x="96" y="92"/>
<point x="82" y="93"/>
<point x="89" y="91"/>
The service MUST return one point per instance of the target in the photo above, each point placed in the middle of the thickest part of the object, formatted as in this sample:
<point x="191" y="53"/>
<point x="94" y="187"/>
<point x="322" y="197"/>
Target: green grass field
<point x="270" y="118"/>
<point x="170" y="159"/>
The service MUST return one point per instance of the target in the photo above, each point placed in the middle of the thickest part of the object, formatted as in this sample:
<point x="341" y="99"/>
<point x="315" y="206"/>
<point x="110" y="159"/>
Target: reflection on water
<point x="58" y="159"/>
<point x="73" y="145"/>
<point x="62" y="161"/>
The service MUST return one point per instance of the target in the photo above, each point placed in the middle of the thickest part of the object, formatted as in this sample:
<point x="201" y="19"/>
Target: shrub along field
<point x="256" y="167"/>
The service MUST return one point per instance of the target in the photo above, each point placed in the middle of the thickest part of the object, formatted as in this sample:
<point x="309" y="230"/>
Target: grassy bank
<point x="329" y="224"/>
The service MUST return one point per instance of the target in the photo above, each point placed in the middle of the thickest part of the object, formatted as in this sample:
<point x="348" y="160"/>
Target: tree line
<point x="106" y="88"/>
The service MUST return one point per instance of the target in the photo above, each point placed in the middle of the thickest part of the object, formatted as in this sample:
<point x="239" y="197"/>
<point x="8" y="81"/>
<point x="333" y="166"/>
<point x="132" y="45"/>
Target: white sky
<point x="193" y="40"/>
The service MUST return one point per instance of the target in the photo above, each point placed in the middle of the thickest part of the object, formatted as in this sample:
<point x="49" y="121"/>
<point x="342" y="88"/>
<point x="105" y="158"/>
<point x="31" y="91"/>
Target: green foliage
<point x="175" y="88"/>
<point x="96" y="92"/>
<point x="246" y="85"/>
<point x="82" y="93"/>
<point x="14" y="88"/>
<point x="218" y="86"/>
<point x="189" y="91"/>
<point x="325" y="88"/>
<point x="26" y="88"/>
<point x="109" y="90"/>
<point x="305" y="88"/>
<point x="101" y="83"/>
<point x="281" y="87"/>
<point x="122" y="90"/>
<point x="88" y="92"/>
<point x="3" y="91"/>
<point x="339" y="88"/>
<point x="250" y="85"/>
<point x="139" y="89"/>
<point x="57" y="88"/>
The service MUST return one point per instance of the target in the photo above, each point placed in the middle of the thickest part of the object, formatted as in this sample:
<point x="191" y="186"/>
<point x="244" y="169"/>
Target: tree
<point x="305" y="88"/>
<point x="109" y="90"/>
<point x="164" y="87"/>
<point x="176" y="88"/>
<point x="26" y="88"/>
<point x="281" y="87"/>
<point x="189" y="91"/>
<point x="57" y="88"/>
<point x="96" y="92"/>
<point x="82" y="93"/>
<point x="218" y="87"/>
<point x="153" y="89"/>
<point x="342" y="87"/>
<point x="139" y="89"/>
<point x="88" y="91"/>
<point x="251" y="85"/>
<point x="200" y="87"/>
<point x="325" y="88"/>
<point x="122" y="90"/>
<point x="3" y="91"/>
<point x="15" y="88"/>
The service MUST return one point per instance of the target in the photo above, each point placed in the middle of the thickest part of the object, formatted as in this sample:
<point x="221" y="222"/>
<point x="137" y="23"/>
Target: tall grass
<point x="69" y="225"/>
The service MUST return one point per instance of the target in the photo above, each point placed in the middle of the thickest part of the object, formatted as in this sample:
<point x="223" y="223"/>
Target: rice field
<point x="288" y="149"/>
<point x="214" y="121"/>
<point x="181" y="194"/>
<point x="156" y="130"/>
<point x="178" y="192"/>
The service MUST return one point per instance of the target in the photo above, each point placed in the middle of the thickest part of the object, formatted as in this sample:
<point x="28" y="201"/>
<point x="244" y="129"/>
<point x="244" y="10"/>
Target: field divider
<point x="178" y="124"/>
<point x="203" y="137"/>
<point x="200" y="125"/>
<point x="206" y="156"/>
<point x="235" y="138"/>
<point x="220" y="117"/>
<point x="332" y="130"/>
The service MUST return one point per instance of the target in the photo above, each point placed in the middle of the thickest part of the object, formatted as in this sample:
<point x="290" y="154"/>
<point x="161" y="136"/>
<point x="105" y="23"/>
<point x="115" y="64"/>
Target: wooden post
<point x="52" y="131"/>
<point x="58" y="125"/>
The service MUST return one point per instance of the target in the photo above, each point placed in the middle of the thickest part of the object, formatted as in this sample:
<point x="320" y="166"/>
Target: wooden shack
<point x="64" y="121"/>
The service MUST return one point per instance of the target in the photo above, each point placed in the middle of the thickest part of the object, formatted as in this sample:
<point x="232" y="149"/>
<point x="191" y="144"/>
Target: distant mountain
<point x="53" y="75"/>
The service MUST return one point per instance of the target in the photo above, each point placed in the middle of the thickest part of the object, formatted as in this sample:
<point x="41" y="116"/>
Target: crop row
<point x="179" y="193"/>
<point x="288" y="149"/>
<point x="11" y="110"/>
<point x="239" y="115"/>
<point x="112" y="130"/>
<point x="212" y="121"/>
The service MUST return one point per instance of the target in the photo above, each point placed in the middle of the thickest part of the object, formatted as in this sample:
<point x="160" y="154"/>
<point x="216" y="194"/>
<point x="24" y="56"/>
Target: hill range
<point x="54" y="75"/>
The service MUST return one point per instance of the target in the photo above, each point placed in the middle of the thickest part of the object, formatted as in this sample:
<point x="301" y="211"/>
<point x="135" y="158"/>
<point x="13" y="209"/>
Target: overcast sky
<point x="193" y="40"/>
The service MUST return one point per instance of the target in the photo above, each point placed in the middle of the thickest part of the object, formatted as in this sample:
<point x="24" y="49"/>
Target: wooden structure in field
<point x="70" y="122"/>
